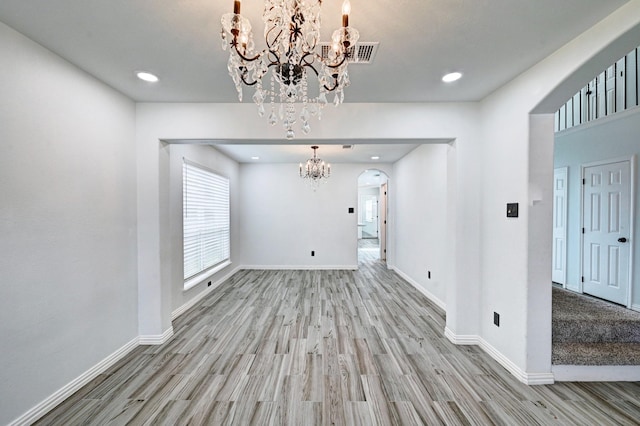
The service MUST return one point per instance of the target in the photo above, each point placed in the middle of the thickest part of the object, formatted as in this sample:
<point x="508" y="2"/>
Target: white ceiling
<point x="332" y="153"/>
<point x="490" y="41"/>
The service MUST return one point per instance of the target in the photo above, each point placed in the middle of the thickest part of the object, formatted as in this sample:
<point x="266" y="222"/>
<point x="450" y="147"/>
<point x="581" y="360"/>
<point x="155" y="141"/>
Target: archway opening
<point x="543" y="154"/>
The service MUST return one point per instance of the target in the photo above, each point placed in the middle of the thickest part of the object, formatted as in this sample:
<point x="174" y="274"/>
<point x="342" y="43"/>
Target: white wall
<point x="68" y="296"/>
<point x="213" y="159"/>
<point x="504" y="250"/>
<point x="283" y="219"/>
<point x="608" y="138"/>
<point x="420" y="189"/>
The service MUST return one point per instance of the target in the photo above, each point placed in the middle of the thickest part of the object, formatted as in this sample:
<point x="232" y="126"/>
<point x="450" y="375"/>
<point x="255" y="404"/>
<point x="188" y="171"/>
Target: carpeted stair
<point x="590" y="331"/>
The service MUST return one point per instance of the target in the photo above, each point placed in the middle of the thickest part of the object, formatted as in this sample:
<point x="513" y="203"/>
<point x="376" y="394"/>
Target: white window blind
<point x="206" y="225"/>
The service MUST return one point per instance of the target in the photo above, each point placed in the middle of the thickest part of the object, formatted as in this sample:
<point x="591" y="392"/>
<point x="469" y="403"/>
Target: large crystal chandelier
<point x="315" y="169"/>
<point x="291" y="33"/>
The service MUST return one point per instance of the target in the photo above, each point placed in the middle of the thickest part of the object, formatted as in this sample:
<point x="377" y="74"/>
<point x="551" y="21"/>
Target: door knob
<point x="622" y="240"/>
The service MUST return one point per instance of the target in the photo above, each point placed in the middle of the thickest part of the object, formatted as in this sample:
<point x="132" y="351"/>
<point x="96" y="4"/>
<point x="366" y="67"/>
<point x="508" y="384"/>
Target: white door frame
<point x="632" y="204"/>
<point x="382" y="217"/>
<point x="565" y="170"/>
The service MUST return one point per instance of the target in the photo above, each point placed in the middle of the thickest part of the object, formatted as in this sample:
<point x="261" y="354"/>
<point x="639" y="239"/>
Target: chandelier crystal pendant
<point x="291" y="33"/>
<point x="315" y="169"/>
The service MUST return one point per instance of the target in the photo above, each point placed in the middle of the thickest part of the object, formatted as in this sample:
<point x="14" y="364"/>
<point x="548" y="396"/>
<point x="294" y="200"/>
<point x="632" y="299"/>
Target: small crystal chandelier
<point x="315" y="169"/>
<point x="292" y="33"/>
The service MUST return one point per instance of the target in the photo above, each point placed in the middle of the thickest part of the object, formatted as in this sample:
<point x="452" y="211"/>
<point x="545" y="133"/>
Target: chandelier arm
<point x="244" y="58"/>
<point x="268" y="51"/>
<point x="305" y="63"/>
<point x="335" y="86"/>
<point x="314" y="56"/>
<point x="309" y="65"/>
<point x="248" y="83"/>
<point x="275" y="40"/>
<point x="344" y="58"/>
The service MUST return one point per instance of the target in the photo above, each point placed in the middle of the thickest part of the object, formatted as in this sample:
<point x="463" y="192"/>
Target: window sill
<point x="197" y="279"/>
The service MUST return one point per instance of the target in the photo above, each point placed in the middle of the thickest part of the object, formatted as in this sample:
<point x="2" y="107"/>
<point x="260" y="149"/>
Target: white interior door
<point x="606" y="228"/>
<point x="383" y="222"/>
<point x="559" y="264"/>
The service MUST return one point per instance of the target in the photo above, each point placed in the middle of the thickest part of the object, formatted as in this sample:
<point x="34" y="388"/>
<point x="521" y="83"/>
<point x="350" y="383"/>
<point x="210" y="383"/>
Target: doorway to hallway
<point x="372" y="216"/>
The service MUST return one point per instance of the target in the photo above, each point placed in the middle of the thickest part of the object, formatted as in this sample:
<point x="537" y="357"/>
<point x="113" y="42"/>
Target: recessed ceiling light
<point x="255" y="158"/>
<point x="375" y="157"/>
<point x="147" y="76"/>
<point x="451" y="77"/>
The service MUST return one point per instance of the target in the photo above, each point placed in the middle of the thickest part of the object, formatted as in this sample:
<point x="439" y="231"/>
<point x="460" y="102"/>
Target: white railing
<point x="613" y="90"/>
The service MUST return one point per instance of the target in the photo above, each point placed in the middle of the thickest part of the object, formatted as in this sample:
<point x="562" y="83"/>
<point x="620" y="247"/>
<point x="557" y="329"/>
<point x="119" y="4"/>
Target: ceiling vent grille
<point x="361" y="53"/>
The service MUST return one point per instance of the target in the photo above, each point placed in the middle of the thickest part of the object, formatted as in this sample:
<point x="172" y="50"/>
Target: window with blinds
<point x="206" y="224"/>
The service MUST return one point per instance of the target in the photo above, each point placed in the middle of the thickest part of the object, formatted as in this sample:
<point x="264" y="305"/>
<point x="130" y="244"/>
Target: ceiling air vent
<point x="361" y="53"/>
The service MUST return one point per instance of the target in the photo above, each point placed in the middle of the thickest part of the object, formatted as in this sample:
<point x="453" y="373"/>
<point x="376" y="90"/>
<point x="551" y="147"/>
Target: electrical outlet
<point x="496" y="319"/>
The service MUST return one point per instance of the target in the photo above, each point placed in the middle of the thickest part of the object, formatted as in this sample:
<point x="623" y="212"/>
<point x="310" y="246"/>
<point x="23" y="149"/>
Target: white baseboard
<point x="70" y="388"/>
<point x="635" y="307"/>
<point x="156" y="339"/>
<point x="536" y="379"/>
<point x="596" y="373"/>
<point x="302" y="267"/>
<point x="521" y="375"/>
<point x="461" y="339"/>
<point x="185" y="307"/>
<point x="418" y="287"/>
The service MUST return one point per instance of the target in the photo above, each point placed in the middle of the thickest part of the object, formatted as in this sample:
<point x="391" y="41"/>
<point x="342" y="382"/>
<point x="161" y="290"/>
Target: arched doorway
<point x="543" y="177"/>
<point x="372" y="215"/>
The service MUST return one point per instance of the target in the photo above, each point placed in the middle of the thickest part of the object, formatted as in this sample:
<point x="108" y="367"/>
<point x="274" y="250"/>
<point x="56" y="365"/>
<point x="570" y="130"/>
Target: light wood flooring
<point x="368" y="243"/>
<point x="327" y="348"/>
<point x="368" y="251"/>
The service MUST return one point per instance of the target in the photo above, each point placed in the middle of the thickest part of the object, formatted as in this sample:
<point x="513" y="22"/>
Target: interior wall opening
<point x="591" y="129"/>
<point x="372" y="215"/>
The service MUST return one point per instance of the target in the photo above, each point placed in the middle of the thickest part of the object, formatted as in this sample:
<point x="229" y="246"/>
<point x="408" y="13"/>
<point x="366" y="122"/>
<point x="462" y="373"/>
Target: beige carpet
<point x="590" y="331"/>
